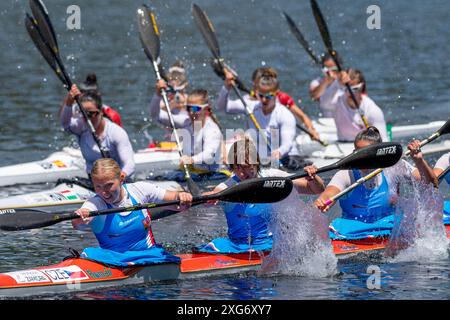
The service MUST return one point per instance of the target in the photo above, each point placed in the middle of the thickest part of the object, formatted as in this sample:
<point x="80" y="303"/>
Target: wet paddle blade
<point x="41" y="16"/>
<point x="380" y="155"/>
<point x="148" y="33"/>
<point x="445" y="128"/>
<point x="259" y="190"/>
<point x="45" y="51"/>
<point x="24" y="219"/>
<point x="206" y="29"/>
<point x="300" y="38"/>
<point x="323" y="28"/>
<point x="193" y="187"/>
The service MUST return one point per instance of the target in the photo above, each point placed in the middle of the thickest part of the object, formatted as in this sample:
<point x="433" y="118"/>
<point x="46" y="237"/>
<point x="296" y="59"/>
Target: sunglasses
<point x="358" y="88"/>
<point x="196" y="108"/>
<point x="327" y="69"/>
<point x="268" y="96"/>
<point x="92" y="114"/>
<point x="171" y="90"/>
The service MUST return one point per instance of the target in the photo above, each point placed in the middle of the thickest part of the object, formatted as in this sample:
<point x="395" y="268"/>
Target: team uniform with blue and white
<point x="126" y="238"/>
<point x="248" y="224"/>
<point x="368" y="210"/>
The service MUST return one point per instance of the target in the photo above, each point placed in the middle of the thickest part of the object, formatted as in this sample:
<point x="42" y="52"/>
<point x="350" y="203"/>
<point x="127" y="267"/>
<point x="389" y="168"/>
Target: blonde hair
<point x="104" y="166"/>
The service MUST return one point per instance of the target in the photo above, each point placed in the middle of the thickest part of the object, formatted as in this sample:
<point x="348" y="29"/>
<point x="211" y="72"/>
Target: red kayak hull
<point x="77" y="274"/>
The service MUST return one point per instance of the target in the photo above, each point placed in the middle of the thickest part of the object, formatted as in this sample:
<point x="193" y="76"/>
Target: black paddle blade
<point x="207" y="30"/>
<point x="300" y="38"/>
<point x="259" y="190"/>
<point x="24" y="219"/>
<point x="445" y="128"/>
<point x="148" y="33"/>
<point x="323" y="28"/>
<point x="193" y="187"/>
<point x="41" y="16"/>
<point x="45" y="51"/>
<point x="380" y="155"/>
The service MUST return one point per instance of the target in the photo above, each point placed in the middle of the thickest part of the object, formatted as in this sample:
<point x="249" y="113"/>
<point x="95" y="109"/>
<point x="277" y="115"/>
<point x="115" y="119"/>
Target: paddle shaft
<point x="352" y="94"/>
<point x="172" y="122"/>
<point x="195" y="201"/>
<point x="258" y="190"/>
<point x="325" y="34"/>
<point x="209" y="35"/>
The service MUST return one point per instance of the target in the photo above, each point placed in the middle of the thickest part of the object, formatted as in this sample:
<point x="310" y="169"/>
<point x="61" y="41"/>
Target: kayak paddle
<point x="259" y="190"/>
<point x="300" y="38"/>
<point x="208" y="32"/>
<point x="329" y="45"/>
<point x="149" y="36"/>
<point x="41" y="31"/>
<point x="445" y="129"/>
<point x="380" y="155"/>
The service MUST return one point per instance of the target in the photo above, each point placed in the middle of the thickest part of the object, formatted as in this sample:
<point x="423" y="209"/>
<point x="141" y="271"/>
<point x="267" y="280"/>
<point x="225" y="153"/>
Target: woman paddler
<point x="176" y="89"/>
<point x="113" y="139"/>
<point x="248" y="224"/>
<point x="276" y="121"/>
<point x="125" y="238"/>
<point x="90" y="84"/>
<point x="224" y="103"/>
<point x="368" y="210"/>
<point x="204" y="154"/>
<point x="345" y="113"/>
<point x="327" y="89"/>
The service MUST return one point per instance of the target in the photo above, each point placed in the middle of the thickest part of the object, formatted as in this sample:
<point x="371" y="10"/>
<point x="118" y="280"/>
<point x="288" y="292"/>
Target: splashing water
<point x="301" y="245"/>
<point x="419" y="233"/>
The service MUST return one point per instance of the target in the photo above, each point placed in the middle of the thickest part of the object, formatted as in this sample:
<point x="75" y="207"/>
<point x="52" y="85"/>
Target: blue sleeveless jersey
<point x="367" y="205"/>
<point x="248" y="229"/>
<point x="125" y="233"/>
<point x="128" y="241"/>
<point x="365" y="213"/>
